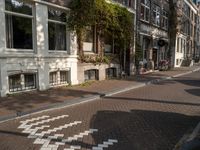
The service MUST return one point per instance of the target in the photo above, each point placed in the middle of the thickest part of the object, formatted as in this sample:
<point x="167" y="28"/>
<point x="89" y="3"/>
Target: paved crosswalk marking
<point x="105" y="144"/>
<point x="28" y="126"/>
<point x="22" y="126"/>
<point x="41" y="135"/>
<point x="79" y="136"/>
<point x="45" y="137"/>
<point x="73" y="147"/>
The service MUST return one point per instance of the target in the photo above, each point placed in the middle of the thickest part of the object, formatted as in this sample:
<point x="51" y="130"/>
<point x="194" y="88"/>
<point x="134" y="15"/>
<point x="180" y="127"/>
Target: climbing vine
<point x="106" y="19"/>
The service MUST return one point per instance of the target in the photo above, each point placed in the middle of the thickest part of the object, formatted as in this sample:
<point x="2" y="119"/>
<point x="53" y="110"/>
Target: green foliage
<point x="138" y="52"/>
<point x="87" y="83"/>
<point x="106" y="17"/>
<point x="81" y="14"/>
<point x="96" y="59"/>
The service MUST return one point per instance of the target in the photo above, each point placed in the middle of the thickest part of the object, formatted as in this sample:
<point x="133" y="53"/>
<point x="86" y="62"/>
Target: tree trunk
<point x="80" y="43"/>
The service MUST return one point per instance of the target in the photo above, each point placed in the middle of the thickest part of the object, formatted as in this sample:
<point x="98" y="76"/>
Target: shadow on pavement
<point x="134" y="130"/>
<point x="152" y="100"/>
<point x="195" y="92"/>
<point x="191" y="82"/>
<point x="141" y="130"/>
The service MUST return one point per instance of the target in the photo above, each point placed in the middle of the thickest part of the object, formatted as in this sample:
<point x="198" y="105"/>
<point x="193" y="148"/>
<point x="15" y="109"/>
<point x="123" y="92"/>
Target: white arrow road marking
<point x="105" y="144"/>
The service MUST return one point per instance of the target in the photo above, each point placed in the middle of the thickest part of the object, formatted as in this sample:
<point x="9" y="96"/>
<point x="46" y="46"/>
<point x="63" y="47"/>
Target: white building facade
<point x="36" y="49"/>
<point x="185" y="38"/>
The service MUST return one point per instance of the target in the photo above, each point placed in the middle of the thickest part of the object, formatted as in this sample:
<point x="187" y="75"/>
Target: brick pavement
<point x="154" y="117"/>
<point x="36" y="100"/>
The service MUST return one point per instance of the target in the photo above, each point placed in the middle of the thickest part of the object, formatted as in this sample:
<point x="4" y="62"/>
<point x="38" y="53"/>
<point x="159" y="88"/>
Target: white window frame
<point x="145" y="8"/>
<point x="61" y="23"/>
<point x="7" y="12"/>
<point x="165" y="20"/>
<point x="157" y="10"/>
<point x="22" y="82"/>
<point x="58" y="81"/>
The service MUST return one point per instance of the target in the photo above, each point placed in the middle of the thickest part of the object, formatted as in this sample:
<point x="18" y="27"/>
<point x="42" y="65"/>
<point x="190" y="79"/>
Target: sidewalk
<point x="26" y="103"/>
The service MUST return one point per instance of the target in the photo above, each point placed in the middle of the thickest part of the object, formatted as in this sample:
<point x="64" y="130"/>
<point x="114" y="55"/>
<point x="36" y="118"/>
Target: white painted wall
<point x="40" y="59"/>
<point x="179" y="55"/>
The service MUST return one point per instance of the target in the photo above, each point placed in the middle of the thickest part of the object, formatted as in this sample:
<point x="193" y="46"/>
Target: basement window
<point x="111" y="73"/>
<point x="92" y="74"/>
<point x="22" y="82"/>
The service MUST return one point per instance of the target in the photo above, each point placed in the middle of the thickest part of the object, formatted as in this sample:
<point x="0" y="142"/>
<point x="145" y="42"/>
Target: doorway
<point x="155" y="58"/>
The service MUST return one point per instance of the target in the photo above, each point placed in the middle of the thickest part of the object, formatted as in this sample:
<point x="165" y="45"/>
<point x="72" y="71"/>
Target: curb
<point x="77" y="101"/>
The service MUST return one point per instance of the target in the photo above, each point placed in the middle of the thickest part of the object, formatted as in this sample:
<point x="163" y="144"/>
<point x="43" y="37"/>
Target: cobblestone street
<point x="154" y="117"/>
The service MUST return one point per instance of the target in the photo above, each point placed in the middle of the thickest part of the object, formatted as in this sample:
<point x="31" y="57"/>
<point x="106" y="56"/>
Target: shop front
<point x="154" y="44"/>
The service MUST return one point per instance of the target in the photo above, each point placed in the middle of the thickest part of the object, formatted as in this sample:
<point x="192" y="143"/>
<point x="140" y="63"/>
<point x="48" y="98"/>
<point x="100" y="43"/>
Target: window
<point x="19" y="22"/>
<point x="128" y="3"/>
<point x="15" y="83"/>
<point x="156" y="15"/>
<point x="53" y="78"/>
<point x="63" y="77"/>
<point x="58" y="78"/>
<point x="108" y="40"/>
<point x="178" y="44"/>
<point x="89" y="34"/>
<point x="145" y="10"/>
<point x="165" y="20"/>
<point x="111" y="73"/>
<point x="145" y="46"/>
<point x="182" y="45"/>
<point x="57" y="30"/>
<point x="177" y="61"/>
<point x="89" y="40"/>
<point x="30" y="81"/>
<point x="22" y="82"/>
<point x="91" y="74"/>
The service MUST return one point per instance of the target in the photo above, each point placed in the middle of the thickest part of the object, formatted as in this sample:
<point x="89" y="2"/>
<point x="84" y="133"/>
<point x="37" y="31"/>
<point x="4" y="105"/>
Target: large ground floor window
<point x="92" y="74"/>
<point x="22" y="82"/>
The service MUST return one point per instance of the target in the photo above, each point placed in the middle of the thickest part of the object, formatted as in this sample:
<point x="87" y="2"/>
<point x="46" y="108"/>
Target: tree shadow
<point x="141" y="129"/>
<point x="134" y="130"/>
<point x="189" y="81"/>
<point x="195" y="92"/>
<point x="153" y="100"/>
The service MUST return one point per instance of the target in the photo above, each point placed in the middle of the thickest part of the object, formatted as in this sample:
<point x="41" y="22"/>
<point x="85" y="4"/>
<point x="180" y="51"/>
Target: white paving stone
<point x="32" y="127"/>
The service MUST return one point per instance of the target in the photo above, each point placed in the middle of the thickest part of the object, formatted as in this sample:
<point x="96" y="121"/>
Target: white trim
<point x="18" y="14"/>
<point x="55" y="21"/>
<point x="32" y="17"/>
<point x="19" y="50"/>
<point x="58" y="51"/>
<point x="191" y="6"/>
<point x="50" y="4"/>
<point x="130" y="9"/>
<point x="145" y="34"/>
<point x="13" y="72"/>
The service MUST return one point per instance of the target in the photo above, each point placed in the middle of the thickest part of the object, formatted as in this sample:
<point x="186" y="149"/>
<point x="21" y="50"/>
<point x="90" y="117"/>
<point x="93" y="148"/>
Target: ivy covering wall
<point x="105" y="18"/>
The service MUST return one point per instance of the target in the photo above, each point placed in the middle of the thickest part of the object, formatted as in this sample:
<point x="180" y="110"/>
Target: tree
<point x="81" y="15"/>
